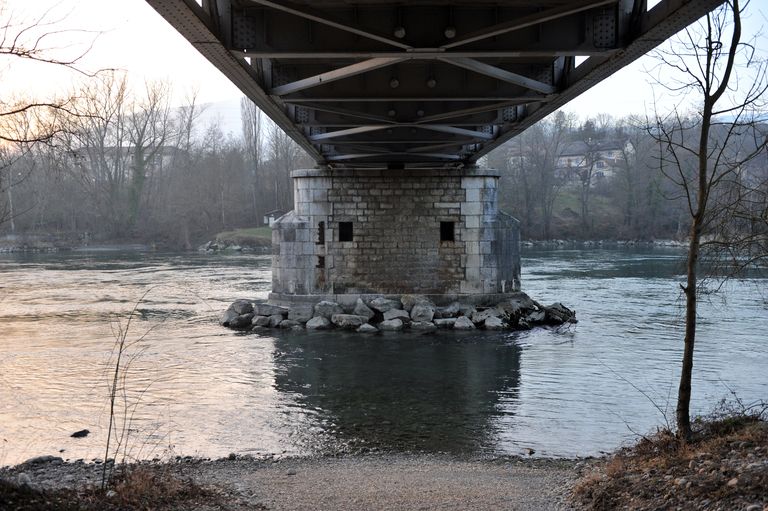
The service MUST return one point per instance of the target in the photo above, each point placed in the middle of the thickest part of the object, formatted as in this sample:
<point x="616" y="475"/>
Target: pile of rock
<point x="415" y="312"/>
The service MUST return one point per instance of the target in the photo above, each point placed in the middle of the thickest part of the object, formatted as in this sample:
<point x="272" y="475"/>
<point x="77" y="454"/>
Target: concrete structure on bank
<point x="397" y="102"/>
<point x="369" y="231"/>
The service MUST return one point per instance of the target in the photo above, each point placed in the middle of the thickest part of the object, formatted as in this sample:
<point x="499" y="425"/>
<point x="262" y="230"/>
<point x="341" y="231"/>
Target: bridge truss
<point x="419" y="83"/>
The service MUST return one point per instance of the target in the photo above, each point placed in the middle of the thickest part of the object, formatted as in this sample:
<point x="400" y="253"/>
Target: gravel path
<point x="374" y="482"/>
<point x="397" y="483"/>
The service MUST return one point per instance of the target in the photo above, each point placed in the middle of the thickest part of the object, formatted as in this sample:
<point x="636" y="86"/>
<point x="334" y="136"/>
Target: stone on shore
<point x="383" y="305"/>
<point x="361" y="309"/>
<point x="227" y="316"/>
<point x="266" y="309"/>
<point x="260" y="321"/>
<point x="515" y="311"/>
<point x="479" y="317"/>
<point x="351" y="321"/>
<point x="424" y="326"/>
<point x="327" y="309"/>
<point x="463" y="323"/>
<point x="242" y="306"/>
<point x="423" y="312"/>
<point x="454" y="310"/>
<point x="445" y="322"/>
<point x="241" y="322"/>
<point x="391" y="325"/>
<point x="275" y="320"/>
<point x="536" y="316"/>
<point x="397" y="314"/>
<point x="557" y="314"/>
<point x="494" y="323"/>
<point x="409" y="301"/>
<point x="301" y="312"/>
<point x="319" y="323"/>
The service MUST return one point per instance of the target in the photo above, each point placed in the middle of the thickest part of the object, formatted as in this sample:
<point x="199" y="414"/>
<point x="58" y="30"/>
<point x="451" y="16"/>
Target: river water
<point x="194" y="388"/>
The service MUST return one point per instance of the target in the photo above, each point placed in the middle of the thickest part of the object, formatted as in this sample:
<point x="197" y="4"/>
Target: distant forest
<point x="129" y="167"/>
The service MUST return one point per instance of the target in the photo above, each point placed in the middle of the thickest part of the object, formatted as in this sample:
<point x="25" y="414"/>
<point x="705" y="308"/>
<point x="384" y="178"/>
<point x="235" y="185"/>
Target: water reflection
<point x="418" y="392"/>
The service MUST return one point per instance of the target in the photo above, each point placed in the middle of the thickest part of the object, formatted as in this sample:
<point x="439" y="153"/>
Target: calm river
<point x="194" y="388"/>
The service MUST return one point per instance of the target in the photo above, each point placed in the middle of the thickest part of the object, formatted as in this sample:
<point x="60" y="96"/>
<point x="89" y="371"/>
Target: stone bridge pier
<point x="362" y="231"/>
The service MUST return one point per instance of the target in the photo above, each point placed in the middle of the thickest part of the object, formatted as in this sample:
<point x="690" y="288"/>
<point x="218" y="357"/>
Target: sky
<point x="130" y="35"/>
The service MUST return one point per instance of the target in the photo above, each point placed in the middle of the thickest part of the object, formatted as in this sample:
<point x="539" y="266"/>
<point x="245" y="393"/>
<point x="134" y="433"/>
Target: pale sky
<point x="135" y="38"/>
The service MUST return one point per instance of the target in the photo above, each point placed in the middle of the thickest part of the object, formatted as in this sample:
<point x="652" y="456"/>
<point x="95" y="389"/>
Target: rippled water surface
<point x="194" y="388"/>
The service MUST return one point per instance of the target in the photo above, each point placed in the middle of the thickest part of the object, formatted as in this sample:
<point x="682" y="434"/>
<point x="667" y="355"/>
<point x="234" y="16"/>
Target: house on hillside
<point x="605" y="157"/>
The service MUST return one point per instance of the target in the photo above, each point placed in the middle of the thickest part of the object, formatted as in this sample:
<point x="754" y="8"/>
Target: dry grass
<point x="134" y="489"/>
<point x="725" y="467"/>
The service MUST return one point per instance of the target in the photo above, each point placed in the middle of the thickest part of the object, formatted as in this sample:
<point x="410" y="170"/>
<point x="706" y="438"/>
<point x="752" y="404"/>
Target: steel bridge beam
<point x="352" y="80"/>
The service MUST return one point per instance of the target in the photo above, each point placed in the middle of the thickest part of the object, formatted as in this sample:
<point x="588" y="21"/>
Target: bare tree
<point x="25" y="121"/>
<point x="253" y="134"/>
<point x="705" y="153"/>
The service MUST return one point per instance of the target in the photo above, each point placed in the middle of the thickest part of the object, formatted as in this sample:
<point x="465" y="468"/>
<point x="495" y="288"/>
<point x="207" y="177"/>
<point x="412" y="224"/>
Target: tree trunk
<point x="684" y="391"/>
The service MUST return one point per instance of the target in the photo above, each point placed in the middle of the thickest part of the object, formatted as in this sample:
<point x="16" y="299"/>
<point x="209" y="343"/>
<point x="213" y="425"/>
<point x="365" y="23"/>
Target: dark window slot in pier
<point x="321" y="233"/>
<point x="345" y="231"/>
<point x="320" y="262"/>
<point x="447" y="231"/>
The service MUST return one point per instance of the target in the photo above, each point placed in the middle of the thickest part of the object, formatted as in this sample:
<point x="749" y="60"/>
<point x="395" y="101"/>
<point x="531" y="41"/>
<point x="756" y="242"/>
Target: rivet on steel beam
<point x="392" y="113"/>
<point x="450" y="32"/>
<point x="431" y="83"/>
<point x="399" y="32"/>
<point x="420" y="113"/>
<point x="394" y="83"/>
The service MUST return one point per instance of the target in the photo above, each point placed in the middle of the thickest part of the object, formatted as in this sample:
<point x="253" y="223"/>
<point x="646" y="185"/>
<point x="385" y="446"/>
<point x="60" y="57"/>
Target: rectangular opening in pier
<point x="345" y="231"/>
<point x="447" y="231"/>
<point x="320" y="234"/>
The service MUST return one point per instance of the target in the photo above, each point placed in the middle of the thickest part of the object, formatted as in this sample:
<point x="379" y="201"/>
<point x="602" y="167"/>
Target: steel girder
<point x="379" y="83"/>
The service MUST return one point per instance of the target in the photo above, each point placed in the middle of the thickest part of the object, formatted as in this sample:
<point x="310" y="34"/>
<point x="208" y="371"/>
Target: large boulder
<point x="275" y="320"/>
<point x="519" y="304"/>
<point x="361" y="309"/>
<point x="409" y="301"/>
<point x="302" y="312"/>
<point x="242" y="306"/>
<point x="327" y="309"/>
<point x="266" y="309"/>
<point x="289" y="323"/>
<point x="367" y="328"/>
<point x="424" y="326"/>
<point x="445" y="322"/>
<point x="397" y="314"/>
<point x="455" y="309"/>
<point x="260" y="321"/>
<point x="227" y="316"/>
<point x="383" y="305"/>
<point x="536" y="316"/>
<point x="494" y="323"/>
<point x="423" y="312"/>
<point x="479" y="317"/>
<point x="351" y="321"/>
<point x="319" y="323"/>
<point x="463" y="323"/>
<point x="241" y="322"/>
<point x="557" y="314"/>
<point x="391" y="325"/>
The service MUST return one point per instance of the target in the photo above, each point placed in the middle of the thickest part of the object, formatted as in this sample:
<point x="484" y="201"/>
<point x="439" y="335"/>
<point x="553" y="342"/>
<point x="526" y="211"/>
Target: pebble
<point x="733" y="482"/>
<point x="291" y="472"/>
<point x="754" y="507"/>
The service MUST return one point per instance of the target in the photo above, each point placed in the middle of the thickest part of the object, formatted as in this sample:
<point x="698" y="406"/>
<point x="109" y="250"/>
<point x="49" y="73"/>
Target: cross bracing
<point x="376" y="83"/>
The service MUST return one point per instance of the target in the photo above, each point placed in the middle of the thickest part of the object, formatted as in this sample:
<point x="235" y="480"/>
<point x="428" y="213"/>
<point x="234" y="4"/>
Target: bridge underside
<point x="373" y="90"/>
<point x="421" y="83"/>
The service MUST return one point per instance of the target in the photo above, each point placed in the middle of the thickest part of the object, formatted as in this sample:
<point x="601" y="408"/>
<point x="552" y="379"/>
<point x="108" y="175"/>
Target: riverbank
<point x="725" y="467"/>
<point x="373" y="482"/>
